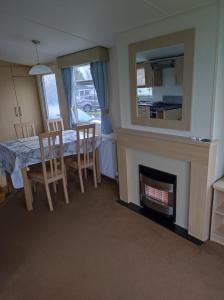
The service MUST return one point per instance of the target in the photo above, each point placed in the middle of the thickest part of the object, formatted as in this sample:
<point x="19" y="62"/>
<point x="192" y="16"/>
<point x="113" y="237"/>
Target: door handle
<point x="20" y="112"/>
<point x="15" y="111"/>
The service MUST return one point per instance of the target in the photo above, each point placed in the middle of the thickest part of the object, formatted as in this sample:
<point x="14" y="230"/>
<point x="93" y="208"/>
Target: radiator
<point x="108" y="156"/>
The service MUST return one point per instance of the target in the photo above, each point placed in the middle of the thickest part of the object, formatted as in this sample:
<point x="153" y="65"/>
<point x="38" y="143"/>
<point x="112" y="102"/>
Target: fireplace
<point x="158" y="193"/>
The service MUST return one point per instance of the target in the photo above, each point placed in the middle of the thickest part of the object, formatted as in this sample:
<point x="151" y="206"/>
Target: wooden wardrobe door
<point x="28" y="101"/>
<point x="8" y="105"/>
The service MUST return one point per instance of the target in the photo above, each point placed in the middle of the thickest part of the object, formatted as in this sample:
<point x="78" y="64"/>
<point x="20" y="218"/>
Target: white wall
<point x="218" y="121"/>
<point x="205" y="22"/>
<point x="114" y="88"/>
<point x="169" y="87"/>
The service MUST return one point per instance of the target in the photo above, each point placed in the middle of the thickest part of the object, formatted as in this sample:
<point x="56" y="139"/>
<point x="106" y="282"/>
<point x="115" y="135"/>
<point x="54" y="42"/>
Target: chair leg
<point x="94" y="176"/>
<point x="65" y="190"/>
<point x="66" y="177"/>
<point x="80" y="180"/>
<point x="55" y="187"/>
<point x="85" y="173"/>
<point x="49" y="196"/>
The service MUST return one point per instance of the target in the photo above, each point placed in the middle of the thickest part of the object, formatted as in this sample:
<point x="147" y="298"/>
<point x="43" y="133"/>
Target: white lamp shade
<point x="39" y="70"/>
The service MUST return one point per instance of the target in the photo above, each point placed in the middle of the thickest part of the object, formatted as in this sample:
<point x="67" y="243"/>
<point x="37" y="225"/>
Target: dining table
<point x="16" y="156"/>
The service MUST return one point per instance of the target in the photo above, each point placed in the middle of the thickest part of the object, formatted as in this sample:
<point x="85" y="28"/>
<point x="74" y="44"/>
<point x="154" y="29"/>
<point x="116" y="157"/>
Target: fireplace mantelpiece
<point x="202" y="159"/>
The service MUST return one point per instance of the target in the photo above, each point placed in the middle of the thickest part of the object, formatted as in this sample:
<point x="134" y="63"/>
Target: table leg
<point x="27" y="190"/>
<point x="98" y="174"/>
<point x="10" y="186"/>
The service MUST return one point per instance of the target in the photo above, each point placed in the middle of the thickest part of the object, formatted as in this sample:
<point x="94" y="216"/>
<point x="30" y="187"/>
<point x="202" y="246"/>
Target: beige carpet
<point x="95" y="249"/>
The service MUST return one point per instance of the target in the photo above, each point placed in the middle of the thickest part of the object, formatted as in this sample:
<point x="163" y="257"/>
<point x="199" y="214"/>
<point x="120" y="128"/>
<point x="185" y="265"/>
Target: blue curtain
<point x="99" y="75"/>
<point x="67" y="77"/>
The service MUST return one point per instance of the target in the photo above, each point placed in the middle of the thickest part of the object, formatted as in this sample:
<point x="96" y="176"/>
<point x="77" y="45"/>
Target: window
<point x="141" y="76"/>
<point x="85" y="97"/>
<point x="51" y="96"/>
<point x="144" y="93"/>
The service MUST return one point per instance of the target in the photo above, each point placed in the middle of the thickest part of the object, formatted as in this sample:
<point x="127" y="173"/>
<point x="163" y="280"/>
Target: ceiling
<point x="169" y="51"/>
<point x="65" y="26"/>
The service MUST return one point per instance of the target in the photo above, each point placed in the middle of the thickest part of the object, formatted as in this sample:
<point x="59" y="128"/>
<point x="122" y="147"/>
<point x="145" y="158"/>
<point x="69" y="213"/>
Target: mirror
<point x="159" y="75"/>
<point x="161" y="71"/>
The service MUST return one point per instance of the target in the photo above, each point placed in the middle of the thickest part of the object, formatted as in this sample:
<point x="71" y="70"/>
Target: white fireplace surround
<point x="169" y="165"/>
<point x="192" y="161"/>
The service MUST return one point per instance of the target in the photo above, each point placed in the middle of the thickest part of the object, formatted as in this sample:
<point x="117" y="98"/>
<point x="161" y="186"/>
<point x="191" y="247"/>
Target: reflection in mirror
<point x="160" y="82"/>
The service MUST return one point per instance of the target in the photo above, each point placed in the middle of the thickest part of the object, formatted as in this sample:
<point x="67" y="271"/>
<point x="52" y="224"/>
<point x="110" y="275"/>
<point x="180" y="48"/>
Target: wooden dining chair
<point x="86" y="154"/>
<point x="55" y="124"/>
<point x="24" y="130"/>
<point x="53" y="167"/>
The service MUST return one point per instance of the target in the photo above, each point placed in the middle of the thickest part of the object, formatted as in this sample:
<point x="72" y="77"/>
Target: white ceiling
<point x="169" y="51"/>
<point x="65" y="26"/>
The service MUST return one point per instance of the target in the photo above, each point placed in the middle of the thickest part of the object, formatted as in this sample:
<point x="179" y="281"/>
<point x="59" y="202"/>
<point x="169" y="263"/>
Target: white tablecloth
<point x="17" y="154"/>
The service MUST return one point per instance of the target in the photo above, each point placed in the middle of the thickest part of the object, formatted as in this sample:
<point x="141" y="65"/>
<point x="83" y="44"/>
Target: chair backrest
<point x="55" y="124"/>
<point x="86" y="142"/>
<point x="52" y="154"/>
<point x="25" y="130"/>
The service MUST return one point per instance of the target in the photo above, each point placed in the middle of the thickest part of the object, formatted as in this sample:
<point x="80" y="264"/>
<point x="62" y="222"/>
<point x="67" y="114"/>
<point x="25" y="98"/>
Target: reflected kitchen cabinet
<point x="179" y="70"/>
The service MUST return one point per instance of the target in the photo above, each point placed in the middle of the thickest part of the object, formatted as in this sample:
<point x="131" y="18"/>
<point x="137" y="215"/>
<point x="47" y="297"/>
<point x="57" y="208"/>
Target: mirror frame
<point x="186" y="37"/>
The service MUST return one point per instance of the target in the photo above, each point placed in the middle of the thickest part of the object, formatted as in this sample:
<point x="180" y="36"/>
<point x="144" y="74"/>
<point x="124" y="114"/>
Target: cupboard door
<point x="153" y="78"/>
<point x="8" y="105"/>
<point x="179" y="71"/>
<point x="149" y="75"/>
<point x="28" y="101"/>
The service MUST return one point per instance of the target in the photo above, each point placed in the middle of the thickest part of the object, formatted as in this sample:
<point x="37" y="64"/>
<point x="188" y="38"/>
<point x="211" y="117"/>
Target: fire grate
<point x="158" y="191"/>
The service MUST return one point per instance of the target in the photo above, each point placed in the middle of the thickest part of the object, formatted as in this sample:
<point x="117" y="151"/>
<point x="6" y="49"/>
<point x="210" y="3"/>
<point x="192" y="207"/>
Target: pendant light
<point x="39" y="69"/>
